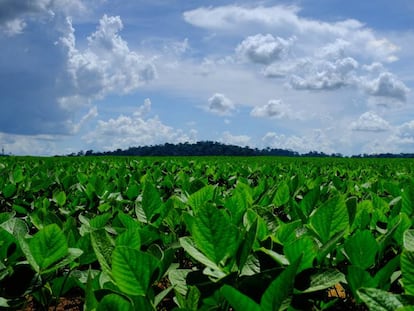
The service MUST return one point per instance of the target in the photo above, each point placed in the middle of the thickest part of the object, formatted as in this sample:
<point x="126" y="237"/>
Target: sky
<point x="332" y="76"/>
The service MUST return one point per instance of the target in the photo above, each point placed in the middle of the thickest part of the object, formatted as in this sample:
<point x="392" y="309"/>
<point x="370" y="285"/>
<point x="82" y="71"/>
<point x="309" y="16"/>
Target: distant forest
<point x="211" y="148"/>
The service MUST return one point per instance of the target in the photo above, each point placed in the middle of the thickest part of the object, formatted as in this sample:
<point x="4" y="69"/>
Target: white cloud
<point x="13" y="27"/>
<point x="107" y="65"/>
<point x="238" y="140"/>
<point x="135" y="130"/>
<point x="220" y="104"/>
<point x="386" y="85"/>
<point x="275" y="108"/>
<point x="325" y="75"/>
<point x="315" y="140"/>
<point x="263" y="49"/>
<point x="75" y="128"/>
<point x="286" y="21"/>
<point x="15" y="14"/>
<point x="370" y="122"/>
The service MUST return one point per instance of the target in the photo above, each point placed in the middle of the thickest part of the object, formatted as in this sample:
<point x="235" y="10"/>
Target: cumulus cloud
<point x="220" y="105"/>
<point x="238" y="140"/>
<point x="326" y="75"/>
<point x="107" y="65"/>
<point x="275" y="108"/>
<point x="386" y="85"/>
<point x="286" y="21"/>
<point x="263" y="49"/>
<point x="315" y="140"/>
<point x="14" y="15"/>
<point x="370" y="122"/>
<point x="135" y="130"/>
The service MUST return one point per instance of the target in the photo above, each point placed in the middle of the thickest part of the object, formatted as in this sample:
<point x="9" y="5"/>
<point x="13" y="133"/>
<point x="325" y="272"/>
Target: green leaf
<point x="191" y="300"/>
<point x="114" y="302"/>
<point x="246" y="247"/>
<point x="132" y="270"/>
<point x="18" y="175"/>
<point x="282" y="194"/>
<point x="324" y="279"/>
<point x="330" y="218"/>
<point x="280" y="289"/>
<point x="407" y="269"/>
<point x="239" y="301"/>
<point x="358" y="278"/>
<point x="310" y="201"/>
<point x="189" y="246"/>
<point x="103" y="246"/>
<point x="304" y="247"/>
<point x="48" y="246"/>
<point x="214" y="234"/>
<point x="177" y="278"/>
<point x="130" y="238"/>
<point x="362" y="249"/>
<point x="408" y="199"/>
<point x="9" y="190"/>
<point x="151" y="201"/>
<point x="132" y="191"/>
<point x="199" y="198"/>
<point x="4" y="303"/>
<point x="408" y="240"/>
<point x="383" y="276"/>
<point x="379" y="300"/>
<point x="60" y="198"/>
<point x="239" y="202"/>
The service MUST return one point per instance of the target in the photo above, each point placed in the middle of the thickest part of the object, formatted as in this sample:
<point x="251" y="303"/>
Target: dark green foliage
<point x="207" y="233"/>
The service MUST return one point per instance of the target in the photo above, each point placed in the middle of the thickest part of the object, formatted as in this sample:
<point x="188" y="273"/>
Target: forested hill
<point x="211" y="148"/>
<point x="202" y="148"/>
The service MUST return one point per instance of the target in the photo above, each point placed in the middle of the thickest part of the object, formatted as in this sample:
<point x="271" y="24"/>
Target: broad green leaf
<point x="286" y="232"/>
<point x="103" y="246"/>
<point x="362" y="249"/>
<point x="214" y="234"/>
<point x="151" y="201"/>
<point x="408" y="199"/>
<point x="177" y="278"/>
<point x="18" y="176"/>
<point x="310" y="201"/>
<point x="324" y="279"/>
<point x="60" y="198"/>
<point x="282" y="195"/>
<point x="407" y="269"/>
<point x="358" y="278"/>
<point x="306" y="248"/>
<point x="383" y="276"/>
<point x="199" y="198"/>
<point x="4" y="303"/>
<point x="48" y="246"/>
<point x="191" y="300"/>
<point x="280" y="289"/>
<point x="73" y="254"/>
<point x="408" y="240"/>
<point x="113" y="302"/>
<point x="130" y="238"/>
<point x="132" y="191"/>
<point x="189" y="246"/>
<point x="379" y="300"/>
<point x="132" y="270"/>
<point x="239" y="301"/>
<point x="330" y="218"/>
<point x="246" y="247"/>
<point x="9" y="190"/>
<point x="239" y="202"/>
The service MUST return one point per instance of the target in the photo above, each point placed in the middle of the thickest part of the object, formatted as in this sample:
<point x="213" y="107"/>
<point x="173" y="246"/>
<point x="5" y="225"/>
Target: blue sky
<point x="325" y="75"/>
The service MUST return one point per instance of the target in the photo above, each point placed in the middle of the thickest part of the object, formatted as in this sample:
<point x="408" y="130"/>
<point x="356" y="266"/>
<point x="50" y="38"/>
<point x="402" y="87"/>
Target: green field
<point x="207" y="233"/>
